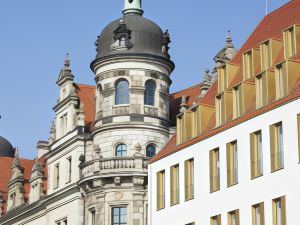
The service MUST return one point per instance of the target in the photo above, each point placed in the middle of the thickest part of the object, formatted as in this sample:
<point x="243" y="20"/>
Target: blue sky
<point x="35" y="36"/>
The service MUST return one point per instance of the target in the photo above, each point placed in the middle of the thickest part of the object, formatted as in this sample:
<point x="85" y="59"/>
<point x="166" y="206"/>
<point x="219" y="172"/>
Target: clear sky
<point x="35" y="36"/>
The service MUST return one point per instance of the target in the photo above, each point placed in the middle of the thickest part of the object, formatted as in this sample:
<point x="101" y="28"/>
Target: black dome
<point x="146" y="37"/>
<point x="6" y="149"/>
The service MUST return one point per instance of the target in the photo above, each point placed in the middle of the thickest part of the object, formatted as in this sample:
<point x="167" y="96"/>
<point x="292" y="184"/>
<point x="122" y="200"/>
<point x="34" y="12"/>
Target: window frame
<point x="275" y="210"/>
<point x="119" y="215"/>
<point x="189" y="181"/>
<point x="276" y="152"/>
<point x="117" y="151"/>
<point x="214" y="167"/>
<point x="122" y="92"/>
<point x="256" y="154"/>
<point x="259" y="206"/>
<point x="174" y="181"/>
<point x="149" y="97"/>
<point x="160" y="190"/>
<point x="232" y="163"/>
<point x="153" y="153"/>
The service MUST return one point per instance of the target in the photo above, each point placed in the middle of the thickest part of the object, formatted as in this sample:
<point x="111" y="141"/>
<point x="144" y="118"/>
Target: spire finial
<point x="67" y="61"/>
<point x="133" y="6"/>
<point x="229" y="40"/>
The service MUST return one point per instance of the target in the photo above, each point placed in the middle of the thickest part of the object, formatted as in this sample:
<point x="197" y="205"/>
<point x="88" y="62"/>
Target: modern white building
<point x="235" y="156"/>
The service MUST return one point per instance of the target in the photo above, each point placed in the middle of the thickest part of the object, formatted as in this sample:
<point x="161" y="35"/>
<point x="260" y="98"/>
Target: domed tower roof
<point x="6" y="149"/>
<point x="133" y="35"/>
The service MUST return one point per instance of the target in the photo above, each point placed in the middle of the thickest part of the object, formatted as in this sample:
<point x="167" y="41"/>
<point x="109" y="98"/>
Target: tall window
<point x="64" y="124"/>
<point x="279" y="213"/>
<point x="266" y="60"/>
<point x="92" y="218"/>
<point x="12" y="199"/>
<point x="214" y="163"/>
<point x="232" y="163"/>
<point x="234" y="218"/>
<point x="220" y="103"/>
<point x="174" y="185"/>
<point x="256" y="154"/>
<point x="261" y="90"/>
<point x="189" y="179"/>
<point x="119" y="216"/>
<point x="149" y="95"/>
<point x="56" y="175"/>
<point x="160" y="190"/>
<point x="258" y="217"/>
<point x="69" y="169"/>
<point x="237" y="101"/>
<point x="121" y="150"/>
<point x="290" y="42"/>
<point x="122" y="92"/>
<point x="281" y="81"/>
<point x="150" y="151"/>
<point x="298" y="122"/>
<point x="215" y="220"/>
<point x="248" y="65"/>
<point x="276" y="144"/>
<point x="222" y="79"/>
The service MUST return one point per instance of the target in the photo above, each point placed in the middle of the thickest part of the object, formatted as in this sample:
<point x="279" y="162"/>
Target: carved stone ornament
<point x="138" y="149"/>
<point x="122" y="37"/>
<point x="97" y="183"/>
<point x="119" y="195"/>
<point x="138" y="181"/>
<point x="165" y="43"/>
<point x="117" y="180"/>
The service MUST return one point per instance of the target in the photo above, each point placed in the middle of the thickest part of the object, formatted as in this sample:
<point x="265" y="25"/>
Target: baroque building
<point x="235" y="156"/>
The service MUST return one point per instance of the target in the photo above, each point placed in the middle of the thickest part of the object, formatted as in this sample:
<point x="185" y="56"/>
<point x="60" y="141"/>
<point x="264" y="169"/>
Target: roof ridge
<point x="191" y="87"/>
<point x="86" y="85"/>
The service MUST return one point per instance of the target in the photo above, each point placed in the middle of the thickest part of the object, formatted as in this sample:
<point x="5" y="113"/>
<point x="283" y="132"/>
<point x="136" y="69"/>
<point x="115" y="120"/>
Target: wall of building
<point x="245" y="194"/>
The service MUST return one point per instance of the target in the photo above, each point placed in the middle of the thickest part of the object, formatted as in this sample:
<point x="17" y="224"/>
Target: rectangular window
<point x="279" y="211"/>
<point x="214" y="163"/>
<point x="248" y="65"/>
<point x="69" y="169"/>
<point x="189" y="179"/>
<point x="220" y="103"/>
<point x="174" y="185"/>
<point x="256" y="154"/>
<point x="232" y="163"/>
<point x="261" y="90"/>
<point x="281" y="81"/>
<point x="290" y="42"/>
<point x="234" y="217"/>
<point x="12" y="199"/>
<point x="237" y="101"/>
<point x="222" y="76"/>
<point x="56" y="174"/>
<point x="119" y="216"/>
<point x="215" y="220"/>
<point x="266" y="60"/>
<point x="92" y="217"/>
<point x="161" y="190"/>
<point x="258" y="217"/>
<point x="63" y="124"/>
<point x="276" y="144"/>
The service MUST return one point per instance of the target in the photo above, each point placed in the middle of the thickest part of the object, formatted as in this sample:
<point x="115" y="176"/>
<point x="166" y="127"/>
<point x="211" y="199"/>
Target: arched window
<point x="122" y="92"/>
<point x="150" y="151"/>
<point x="149" y="95"/>
<point x="121" y="150"/>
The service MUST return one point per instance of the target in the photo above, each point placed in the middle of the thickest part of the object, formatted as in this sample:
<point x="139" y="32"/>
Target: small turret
<point x="36" y="182"/>
<point x="133" y="6"/>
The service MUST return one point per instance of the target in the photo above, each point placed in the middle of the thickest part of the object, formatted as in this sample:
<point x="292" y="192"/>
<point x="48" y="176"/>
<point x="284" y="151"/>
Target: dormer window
<point x="220" y="105"/>
<point x="281" y="80"/>
<point x="237" y="101"/>
<point x="12" y="200"/>
<point x="248" y="65"/>
<point x="290" y="42"/>
<point x="261" y="92"/>
<point x="266" y="58"/>
<point x="222" y="78"/>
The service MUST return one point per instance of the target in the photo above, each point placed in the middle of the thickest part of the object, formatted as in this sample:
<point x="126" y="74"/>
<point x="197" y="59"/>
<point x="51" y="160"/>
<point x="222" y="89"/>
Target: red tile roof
<point x="86" y="94"/>
<point x="271" y="26"/>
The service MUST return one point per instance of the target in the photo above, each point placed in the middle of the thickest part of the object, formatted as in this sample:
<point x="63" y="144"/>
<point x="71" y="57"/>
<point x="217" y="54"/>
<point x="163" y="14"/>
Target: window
<point x="56" y="176"/>
<point x="258" y="217"/>
<point x="122" y="92"/>
<point x="237" y="101"/>
<point x="256" y="154"/>
<point x="215" y="220"/>
<point x="161" y="190"/>
<point x="279" y="213"/>
<point x="290" y="42"/>
<point x="64" y="124"/>
<point x="119" y="216"/>
<point x="92" y="217"/>
<point x="150" y="151"/>
<point x="174" y="185"/>
<point x="248" y="65"/>
<point x="149" y="95"/>
<point x="266" y="60"/>
<point x="220" y="110"/>
<point x="234" y="218"/>
<point x="62" y="222"/>
<point x="276" y="144"/>
<point x="121" y="150"/>
<point x="189" y="179"/>
<point x="298" y="121"/>
<point x="232" y="163"/>
<point x="281" y="81"/>
<point x="69" y="169"/>
<point x="12" y="199"/>
<point x="261" y="90"/>
<point x="222" y="76"/>
<point x="214" y="163"/>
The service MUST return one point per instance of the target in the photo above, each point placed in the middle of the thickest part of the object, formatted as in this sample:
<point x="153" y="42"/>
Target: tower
<point x="132" y="71"/>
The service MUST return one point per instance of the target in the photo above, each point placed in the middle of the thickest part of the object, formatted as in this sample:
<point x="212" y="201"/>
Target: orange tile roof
<point x="86" y="94"/>
<point x="271" y="26"/>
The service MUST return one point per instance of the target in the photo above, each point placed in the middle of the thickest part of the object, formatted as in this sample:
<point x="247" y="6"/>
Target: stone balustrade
<point x="105" y="166"/>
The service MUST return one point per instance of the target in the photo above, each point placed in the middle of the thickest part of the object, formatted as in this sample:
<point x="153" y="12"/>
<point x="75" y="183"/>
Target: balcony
<point x="115" y="165"/>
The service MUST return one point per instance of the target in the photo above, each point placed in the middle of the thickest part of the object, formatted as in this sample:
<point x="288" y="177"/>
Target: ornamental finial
<point x="133" y="6"/>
